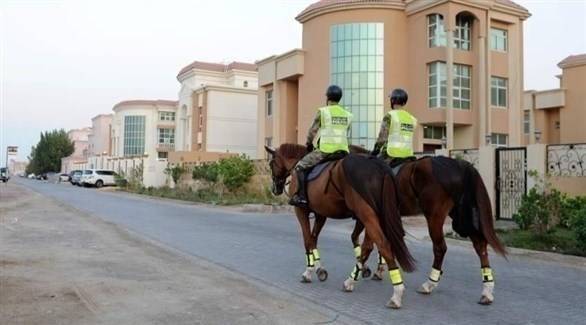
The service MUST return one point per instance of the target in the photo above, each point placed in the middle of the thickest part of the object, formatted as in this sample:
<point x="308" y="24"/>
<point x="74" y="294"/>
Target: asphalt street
<point x="267" y="250"/>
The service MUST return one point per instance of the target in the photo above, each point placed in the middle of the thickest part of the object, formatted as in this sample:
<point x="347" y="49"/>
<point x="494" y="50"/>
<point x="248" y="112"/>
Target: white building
<point x="145" y="129"/>
<point x="217" y="109"/>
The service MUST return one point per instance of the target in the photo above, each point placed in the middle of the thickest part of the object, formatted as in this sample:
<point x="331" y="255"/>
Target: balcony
<point x="550" y="99"/>
<point x="165" y="147"/>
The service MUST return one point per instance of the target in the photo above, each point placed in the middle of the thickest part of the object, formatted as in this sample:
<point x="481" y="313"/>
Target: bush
<point x="235" y="171"/>
<point x="578" y="223"/>
<point x="570" y="206"/>
<point x="541" y="208"/>
<point x="232" y="172"/>
<point x="175" y="172"/>
<point x="207" y="172"/>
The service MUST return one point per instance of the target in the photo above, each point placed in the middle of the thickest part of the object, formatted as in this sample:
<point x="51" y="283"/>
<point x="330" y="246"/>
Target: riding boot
<point x="299" y="199"/>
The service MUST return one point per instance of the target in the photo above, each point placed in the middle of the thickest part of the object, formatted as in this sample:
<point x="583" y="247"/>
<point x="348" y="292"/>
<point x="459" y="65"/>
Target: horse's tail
<point x="485" y="210"/>
<point x="390" y="221"/>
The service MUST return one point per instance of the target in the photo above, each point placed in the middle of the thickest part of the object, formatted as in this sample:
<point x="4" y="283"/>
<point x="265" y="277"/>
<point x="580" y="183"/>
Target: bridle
<point x="279" y="182"/>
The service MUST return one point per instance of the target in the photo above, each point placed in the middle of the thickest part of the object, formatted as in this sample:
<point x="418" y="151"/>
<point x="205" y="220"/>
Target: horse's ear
<point x="270" y="150"/>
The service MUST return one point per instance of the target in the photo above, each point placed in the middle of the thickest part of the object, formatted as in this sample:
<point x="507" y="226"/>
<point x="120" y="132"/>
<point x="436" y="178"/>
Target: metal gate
<point x="511" y="180"/>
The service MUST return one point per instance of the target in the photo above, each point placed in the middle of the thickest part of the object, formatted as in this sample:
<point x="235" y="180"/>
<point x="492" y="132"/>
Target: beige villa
<point x="465" y="95"/>
<point x="558" y="116"/>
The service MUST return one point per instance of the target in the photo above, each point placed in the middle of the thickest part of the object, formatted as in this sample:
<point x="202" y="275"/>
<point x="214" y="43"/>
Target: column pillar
<point x="482" y="95"/>
<point x="488" y="81"/>
<point x="450" y="84"/>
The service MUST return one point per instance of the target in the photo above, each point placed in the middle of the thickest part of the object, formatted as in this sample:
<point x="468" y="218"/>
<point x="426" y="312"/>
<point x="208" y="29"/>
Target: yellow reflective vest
<point x="400" y="142"/>
<point x="335" y="121"/>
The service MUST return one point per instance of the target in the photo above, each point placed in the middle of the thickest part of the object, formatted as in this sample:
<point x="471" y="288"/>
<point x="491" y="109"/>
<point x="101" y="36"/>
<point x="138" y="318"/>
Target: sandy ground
<point x="61" y="266"/>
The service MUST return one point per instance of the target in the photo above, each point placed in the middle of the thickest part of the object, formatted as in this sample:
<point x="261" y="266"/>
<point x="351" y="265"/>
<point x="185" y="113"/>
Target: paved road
<point x="267" y="250"/>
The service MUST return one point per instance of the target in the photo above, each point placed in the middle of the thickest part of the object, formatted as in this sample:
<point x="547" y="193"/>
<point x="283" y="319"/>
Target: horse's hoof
<point x="376" y="277"/>
<point x="322" y="274"/>
<point x="393" y="304"/>
<point x="305" y="279"/>
<point x="348" y="285"/>
<point x="366" y="272"/>
<point x="484" y="300"/>
<point x="426" y="288"/>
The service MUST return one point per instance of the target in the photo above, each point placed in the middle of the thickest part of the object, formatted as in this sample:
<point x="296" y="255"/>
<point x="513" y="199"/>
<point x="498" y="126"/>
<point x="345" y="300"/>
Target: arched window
<point x="463" y="31"/>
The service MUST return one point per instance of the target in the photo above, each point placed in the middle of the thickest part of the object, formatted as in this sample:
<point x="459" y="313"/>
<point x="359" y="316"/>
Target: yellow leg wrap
<point x="395" y="276"/>
<point x="315" y="254"/>
<point x="486" y="274"/>
<point x="357" y="251"/>
<point x="355" y="275"/>
<point x="310" y="259"/>
<point x="434" y="275"/>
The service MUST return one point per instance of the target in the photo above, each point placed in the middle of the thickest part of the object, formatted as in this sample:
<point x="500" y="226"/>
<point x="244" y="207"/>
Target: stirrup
<point x="298" y="201"/>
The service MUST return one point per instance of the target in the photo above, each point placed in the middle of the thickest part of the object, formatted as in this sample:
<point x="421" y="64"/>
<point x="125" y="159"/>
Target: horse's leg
<point x="375" y="232"/>
<point x="303" y="218"/>
<point x="435" y="224"/>
<point x="487" y="279"/>
<point x="380" y="268"/>
<point x="361" y="253"/>
<point x="322" y="274"/>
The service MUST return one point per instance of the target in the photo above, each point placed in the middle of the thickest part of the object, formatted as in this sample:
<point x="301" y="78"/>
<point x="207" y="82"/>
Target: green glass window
<point x="134" y="126"/>
<point x="357" y="65"/>
<point x="498" y="39"/>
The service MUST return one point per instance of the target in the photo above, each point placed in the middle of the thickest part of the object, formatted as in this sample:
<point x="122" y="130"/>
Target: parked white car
<point x="98" y="177"/>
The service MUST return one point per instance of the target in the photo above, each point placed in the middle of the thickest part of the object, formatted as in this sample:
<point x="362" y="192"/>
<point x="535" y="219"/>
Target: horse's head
<point x="279" y="171"/>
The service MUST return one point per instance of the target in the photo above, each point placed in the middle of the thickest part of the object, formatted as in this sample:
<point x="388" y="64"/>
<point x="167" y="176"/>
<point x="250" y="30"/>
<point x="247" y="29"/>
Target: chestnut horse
<point x="438" y="187"/>
<point x="352" y="186"/>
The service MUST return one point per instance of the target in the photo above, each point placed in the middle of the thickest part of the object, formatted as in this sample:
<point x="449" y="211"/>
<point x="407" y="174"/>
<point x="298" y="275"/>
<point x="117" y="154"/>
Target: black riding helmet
<point x="334" y="93"/>
<point x="398" y="97"/>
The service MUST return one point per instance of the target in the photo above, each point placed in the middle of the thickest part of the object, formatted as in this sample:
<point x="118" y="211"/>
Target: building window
<point x="499" y="140"/>
<point x="167" y="137"/>
<point x="167" y="116"/>
<point x="462" y="32"/>
<point x="498" y="39"/>
<point x="434" y="132"/>
<point x="526" y="122"/>
<point x="245" y="84"/>
<point x="134" y="126"/>
<point x="436" y="33"/>
<point x="357" y="66"/>
<point x="163" y="155"/>
<point x="200" y="119"/>
<point x="438" y="85"/>
<point x="269" y="102"/>
<point x="498" y="92"/>
<point x="461" y="88"/>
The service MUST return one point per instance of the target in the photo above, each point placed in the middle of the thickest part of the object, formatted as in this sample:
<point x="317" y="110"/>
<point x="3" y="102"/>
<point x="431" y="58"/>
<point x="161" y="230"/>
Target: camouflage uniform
<point x="383" y="137"/>
<point x="314" y="157"/>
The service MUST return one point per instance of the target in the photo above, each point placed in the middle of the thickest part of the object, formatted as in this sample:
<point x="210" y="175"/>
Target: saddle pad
<point x="397" y="169"/>
<point x="317" y="170"/>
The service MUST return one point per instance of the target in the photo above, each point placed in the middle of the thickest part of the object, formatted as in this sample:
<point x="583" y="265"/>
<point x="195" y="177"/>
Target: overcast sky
<point x="63" y="62"/>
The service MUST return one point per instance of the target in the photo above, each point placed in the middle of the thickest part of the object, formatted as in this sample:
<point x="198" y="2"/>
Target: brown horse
<point x="438" y="187"/>
<point x="353" y="185"/>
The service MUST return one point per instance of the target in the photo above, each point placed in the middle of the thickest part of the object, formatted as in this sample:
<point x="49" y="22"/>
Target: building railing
<point x="165" y="146"/>
<point x="566" y="159"/>
<point x="470" y="155"/>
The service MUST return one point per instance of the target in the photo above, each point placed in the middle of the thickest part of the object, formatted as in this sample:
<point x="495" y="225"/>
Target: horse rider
<point x="395" y="139"/>
<point x="332" y="122"/>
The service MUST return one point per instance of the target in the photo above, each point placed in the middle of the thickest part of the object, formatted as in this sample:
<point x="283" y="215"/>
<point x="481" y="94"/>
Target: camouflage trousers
<point x="310" y="160"/>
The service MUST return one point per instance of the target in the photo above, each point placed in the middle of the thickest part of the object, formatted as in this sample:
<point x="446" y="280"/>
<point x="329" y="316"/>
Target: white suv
<point x="98" y="177"/>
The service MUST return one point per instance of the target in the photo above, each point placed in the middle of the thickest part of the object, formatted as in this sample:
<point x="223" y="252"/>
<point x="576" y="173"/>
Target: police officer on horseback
<point x="395" y="139"/>
<point x="332" y="123"/>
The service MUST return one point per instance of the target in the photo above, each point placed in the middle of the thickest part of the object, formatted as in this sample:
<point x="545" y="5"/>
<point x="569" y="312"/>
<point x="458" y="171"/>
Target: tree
<point x="46" y="155"/>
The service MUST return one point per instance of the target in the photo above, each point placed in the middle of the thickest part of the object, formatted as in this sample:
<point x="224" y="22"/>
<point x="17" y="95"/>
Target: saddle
<point x="318" y="169"/>
<point x="397" y="163"/>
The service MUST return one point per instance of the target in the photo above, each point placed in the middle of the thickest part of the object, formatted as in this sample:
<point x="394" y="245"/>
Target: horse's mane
<point x="291" y="150"/>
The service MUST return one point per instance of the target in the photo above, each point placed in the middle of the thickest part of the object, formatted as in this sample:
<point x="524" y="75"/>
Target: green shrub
<point x="207" y="172"/>
<point x="232" y="172"/>
<point x="570" y="206"/>
<point x="235" y="171"/>
<point x="578" y="223"/>
<point x="529" y="209"/>
<point x="175" y="172"/>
